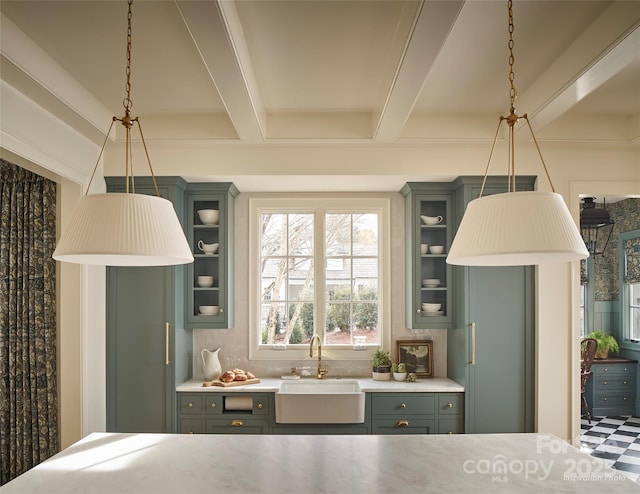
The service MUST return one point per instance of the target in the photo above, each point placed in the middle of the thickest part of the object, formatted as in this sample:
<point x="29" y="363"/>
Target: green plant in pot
<point x="381" y="370"/>
<point x="606" y="343"/>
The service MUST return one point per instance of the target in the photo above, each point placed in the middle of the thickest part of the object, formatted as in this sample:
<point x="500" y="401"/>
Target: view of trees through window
<point x="341" y="301"/>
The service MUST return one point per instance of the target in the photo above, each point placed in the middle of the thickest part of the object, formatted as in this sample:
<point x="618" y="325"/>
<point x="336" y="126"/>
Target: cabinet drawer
<point x="213" y="404"/>
<point x="450" y="404"/>
<point x="608" y="369"/>
<point x="191" y="426"/>
<point x="391" y="425"/>
<point x="614" y="399"/>
<point x="450" y="426"/>
<point x="190" y="404"/>
<point x="239" y="425"/>
<point x="403" y="404"/>
<point x="614" y="381"/>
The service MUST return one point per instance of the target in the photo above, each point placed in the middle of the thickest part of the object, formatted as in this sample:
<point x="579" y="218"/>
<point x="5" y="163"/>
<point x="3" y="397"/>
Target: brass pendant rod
<point x="493" y="146"/>
<point x="539" y="152"/>
<point x="106" y="137"/>
<point x="144" y="144"/>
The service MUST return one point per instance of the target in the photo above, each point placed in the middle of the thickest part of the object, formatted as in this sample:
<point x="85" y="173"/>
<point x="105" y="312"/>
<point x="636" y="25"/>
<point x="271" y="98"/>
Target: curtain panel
<point x="632" y="260"/>
<point x="28" y="394"/>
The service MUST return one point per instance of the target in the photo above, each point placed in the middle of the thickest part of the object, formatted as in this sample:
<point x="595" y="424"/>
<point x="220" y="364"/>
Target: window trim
<point x="318" y="202"/>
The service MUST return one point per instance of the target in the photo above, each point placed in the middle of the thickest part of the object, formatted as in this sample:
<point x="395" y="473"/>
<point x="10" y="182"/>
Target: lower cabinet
<point x="385" y="413"/>
<point x="417" y="413"/>
<point x="215" y="413"/>
<point x="611" y="389"/>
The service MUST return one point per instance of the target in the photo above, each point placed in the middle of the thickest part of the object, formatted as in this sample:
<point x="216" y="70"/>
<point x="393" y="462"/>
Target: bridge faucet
<point x="322" y="369"/>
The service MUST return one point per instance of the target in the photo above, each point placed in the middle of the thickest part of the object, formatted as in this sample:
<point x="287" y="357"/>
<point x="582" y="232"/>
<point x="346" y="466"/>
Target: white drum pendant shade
<point x="517" y="229"/>
<point x="120" y="229"/>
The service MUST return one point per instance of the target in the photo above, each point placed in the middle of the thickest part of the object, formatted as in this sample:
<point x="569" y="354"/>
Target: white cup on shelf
<point x="205" y="281"/>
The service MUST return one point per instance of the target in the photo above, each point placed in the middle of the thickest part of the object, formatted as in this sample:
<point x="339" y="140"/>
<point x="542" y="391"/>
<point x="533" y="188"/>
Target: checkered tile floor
<point x="616" y="440"/>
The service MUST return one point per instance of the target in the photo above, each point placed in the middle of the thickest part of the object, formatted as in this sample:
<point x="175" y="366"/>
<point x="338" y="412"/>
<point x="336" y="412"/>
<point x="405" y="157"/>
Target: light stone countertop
<point x="104" y="463"/>
<point x="429" y="385"/>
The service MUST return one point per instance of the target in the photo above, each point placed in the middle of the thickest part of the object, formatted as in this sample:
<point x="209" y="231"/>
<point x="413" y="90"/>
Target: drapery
<point x="632" y="260"/>
<point x="28" y="394"/>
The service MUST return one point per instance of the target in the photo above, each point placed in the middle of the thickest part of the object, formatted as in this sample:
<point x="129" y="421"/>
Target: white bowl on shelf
<point x="436" y="249"/>
<point x="426" y="307"/>
<point x="209" y="216"/>
<point x="205" y="281"/>
<point x="431" y="282"/>
<point x="209" y="310"/>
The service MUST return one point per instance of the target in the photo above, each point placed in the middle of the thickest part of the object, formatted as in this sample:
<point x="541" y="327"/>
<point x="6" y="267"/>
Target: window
<point x="629" y="244"/>
<point x="318" y="267"/>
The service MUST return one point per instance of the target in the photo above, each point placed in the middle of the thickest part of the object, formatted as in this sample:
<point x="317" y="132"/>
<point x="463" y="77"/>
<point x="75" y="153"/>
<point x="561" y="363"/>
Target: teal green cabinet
<point x="611" y="389"/>
<point x="417" y="413"/>
<point x="429" y="220"/>
<point x="217" y="291"/>
<point x="148" y="349"/>
<point x="214" y="413"/>
<point x="491" y="349"/>
<point x="385" y="413"/>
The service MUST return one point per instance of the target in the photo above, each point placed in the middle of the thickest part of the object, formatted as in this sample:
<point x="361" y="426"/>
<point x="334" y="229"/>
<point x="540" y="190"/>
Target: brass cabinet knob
<point x="450" y="432"/>
<point x="190" y="432"/>
<point x="625" y="369"/>
<point x="624" y="382"/>
<point x="418" y="311"/>
<point x="260" y="406"/>
<point x="190" y="405"/>
<point x="402" y="423"/>
<point x="449" y="405"/>
<point x="604" y="399"/>
<point x="236" y="423"/>
<point x="213" y="405"/>
<point x="404" y="405"/>
<point x="605" y="382"/>
<point x="221" y="310"/>
<point x="606" y="369"/>
<point x="625" y="398"/>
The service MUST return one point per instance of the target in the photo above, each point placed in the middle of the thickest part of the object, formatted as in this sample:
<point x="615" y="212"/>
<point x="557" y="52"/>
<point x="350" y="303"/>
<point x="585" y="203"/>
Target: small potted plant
<point x="399" y="371"/>
<point x="381" y="365"/>
<point x="606" y="343"/>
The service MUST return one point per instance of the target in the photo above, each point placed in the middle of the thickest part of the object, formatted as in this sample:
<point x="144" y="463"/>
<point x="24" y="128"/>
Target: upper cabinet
<point x="429" y="222"/>
<point x="209" y="279"/>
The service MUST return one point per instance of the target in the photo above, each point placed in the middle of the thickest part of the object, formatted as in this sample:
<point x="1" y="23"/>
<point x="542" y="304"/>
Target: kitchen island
<point x="200" y="463"/>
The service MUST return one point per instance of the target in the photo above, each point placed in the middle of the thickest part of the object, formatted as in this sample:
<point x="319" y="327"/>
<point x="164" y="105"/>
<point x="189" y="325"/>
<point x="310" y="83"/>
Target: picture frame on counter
<point x="417" y="355"/>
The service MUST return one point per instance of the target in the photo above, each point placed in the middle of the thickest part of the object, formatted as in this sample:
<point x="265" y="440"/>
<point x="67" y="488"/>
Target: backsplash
<point x="234" y="343"/>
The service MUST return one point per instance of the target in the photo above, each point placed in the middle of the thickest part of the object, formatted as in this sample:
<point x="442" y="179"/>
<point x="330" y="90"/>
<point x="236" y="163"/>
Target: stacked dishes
<point x="432" y="309"/>
<point x="430" y="282"/>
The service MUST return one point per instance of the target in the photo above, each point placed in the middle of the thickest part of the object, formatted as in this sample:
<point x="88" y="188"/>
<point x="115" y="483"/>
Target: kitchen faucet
<point x="322" y="369"/>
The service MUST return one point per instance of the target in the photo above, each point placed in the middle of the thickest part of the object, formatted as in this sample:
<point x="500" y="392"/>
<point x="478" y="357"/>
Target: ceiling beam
<point x="434" y="20"/>
<point x="217" y="34"/>
<point x="606" y="47"/>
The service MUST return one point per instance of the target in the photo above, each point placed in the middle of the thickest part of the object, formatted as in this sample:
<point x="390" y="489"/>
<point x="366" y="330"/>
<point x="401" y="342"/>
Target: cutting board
<point x="231" y="384"/>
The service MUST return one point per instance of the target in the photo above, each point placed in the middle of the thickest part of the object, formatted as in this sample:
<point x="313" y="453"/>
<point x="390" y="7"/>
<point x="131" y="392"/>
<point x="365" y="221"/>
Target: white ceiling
<point x="265" y="72"/>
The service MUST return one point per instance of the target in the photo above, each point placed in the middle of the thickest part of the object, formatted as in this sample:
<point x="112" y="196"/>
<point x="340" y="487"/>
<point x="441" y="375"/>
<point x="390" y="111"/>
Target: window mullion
<point x="319" y="268"/>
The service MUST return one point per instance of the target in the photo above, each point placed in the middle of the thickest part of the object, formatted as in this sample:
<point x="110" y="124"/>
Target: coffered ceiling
<point x="268" y="72"/>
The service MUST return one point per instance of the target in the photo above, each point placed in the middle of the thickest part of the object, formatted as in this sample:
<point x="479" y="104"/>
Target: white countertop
<point x="430" y="385"/>
<point x="239" y="464"/>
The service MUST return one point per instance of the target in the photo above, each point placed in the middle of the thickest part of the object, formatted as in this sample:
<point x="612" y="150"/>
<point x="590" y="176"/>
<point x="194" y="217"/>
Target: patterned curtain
<point x="632" y="260"/>
<point x="28" y="395"/>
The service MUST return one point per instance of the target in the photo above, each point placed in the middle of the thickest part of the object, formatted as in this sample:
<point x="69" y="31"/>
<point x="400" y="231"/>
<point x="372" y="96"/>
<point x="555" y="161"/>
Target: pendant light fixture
<point x="124" y="229"/>
<point x="516" y="228"/>
<point x="596" y="226"/>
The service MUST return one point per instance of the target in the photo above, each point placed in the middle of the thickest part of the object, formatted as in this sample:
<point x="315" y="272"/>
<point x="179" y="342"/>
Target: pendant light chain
<point x="513" y="94"/>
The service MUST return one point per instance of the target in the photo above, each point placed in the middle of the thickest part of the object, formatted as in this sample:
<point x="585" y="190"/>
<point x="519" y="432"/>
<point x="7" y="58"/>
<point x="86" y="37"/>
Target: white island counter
<point x="198" y="464"/>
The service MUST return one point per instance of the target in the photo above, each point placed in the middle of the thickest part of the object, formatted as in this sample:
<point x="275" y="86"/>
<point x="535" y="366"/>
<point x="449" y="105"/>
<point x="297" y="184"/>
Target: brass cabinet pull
<point x="190" y="432"/>
<point x="473" y="343"/>
<point x="260" y="406"/>
<point x="404" y="405"/>
<point x="402" y="423"/>
<point x="605" y="382"/>
<point x="236" y="423"/>
<point x="221" y="310"/>
<point x="606" y="370"/>
<point x="449" y="405"/>
<point x="190" y="405"/>
<point x="604" y="399"/>
<point x="166" y="343"/>
<point x="213" y="405"/>
<point x="450" y="432"/>
<point x="624" y="382"/>
<point x="418" y="311"/>
<point x="625" y="398"/>
<point x="625" y="369"/>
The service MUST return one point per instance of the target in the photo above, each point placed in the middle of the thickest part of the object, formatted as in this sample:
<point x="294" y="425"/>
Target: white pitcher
<point x="211" y="368"/>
